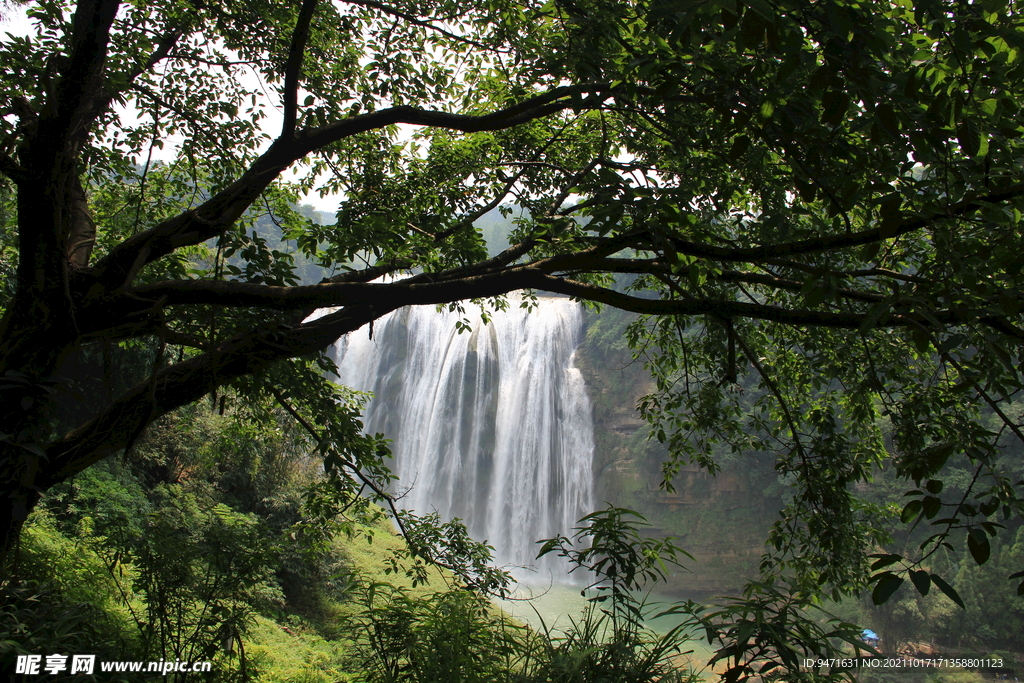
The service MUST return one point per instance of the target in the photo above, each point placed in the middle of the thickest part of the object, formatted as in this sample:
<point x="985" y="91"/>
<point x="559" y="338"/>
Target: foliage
<point x="457" y="636"/>
<point x="199" y="574"/>
<point x="69" y="605"/>
<point x="451" y="636"/>
<point x="611" y="642"/>
<point x="432" y="542"/>
<point x="771" y="630"/>
<point x="817" y="203"/>
<point x="295" y="653"/>
<point x="34" y="619"/>
<point x="174" y="551"/>
<point x="991" y="619"/>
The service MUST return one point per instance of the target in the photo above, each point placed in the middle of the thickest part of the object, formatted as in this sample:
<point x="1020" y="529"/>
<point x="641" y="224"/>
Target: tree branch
<point x="657" y="266"/>
<point x="355" y="469"/>
<point x="554" y="100"/>
<point x="409" y="18"/>
<point x="188" y="381"/>
<point x="247" y="353"/>
<point x="90" y="36"/>
<point x="417" y="291"/>
<point x="445" y="287"/>
<point x="257" y="349"/>
<point x="495" y="202"/>
<point x="163" y="48"/>
<point x="739" y="309"/>
<point x="853" y="239"/>
<point x="211" y="218"/>
<point x="293" y="67"/>
<point x="82" y="230"/>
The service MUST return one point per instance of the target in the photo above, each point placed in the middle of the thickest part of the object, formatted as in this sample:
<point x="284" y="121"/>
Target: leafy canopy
<point x="815" y="205"/>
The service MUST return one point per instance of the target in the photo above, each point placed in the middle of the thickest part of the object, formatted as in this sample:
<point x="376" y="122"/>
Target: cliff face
<point x="721" y="520"/>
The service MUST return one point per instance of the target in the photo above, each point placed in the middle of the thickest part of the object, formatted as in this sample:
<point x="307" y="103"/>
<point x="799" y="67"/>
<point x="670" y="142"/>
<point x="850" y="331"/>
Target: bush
<point x="454" y="636"/>
<point x="37" y="620"/>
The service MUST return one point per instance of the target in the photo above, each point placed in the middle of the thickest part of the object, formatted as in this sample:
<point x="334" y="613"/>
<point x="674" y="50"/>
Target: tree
<point x="823" y="196"/>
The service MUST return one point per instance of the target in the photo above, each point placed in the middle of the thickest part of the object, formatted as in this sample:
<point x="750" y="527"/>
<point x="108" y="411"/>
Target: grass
<point x="294" y="654"/>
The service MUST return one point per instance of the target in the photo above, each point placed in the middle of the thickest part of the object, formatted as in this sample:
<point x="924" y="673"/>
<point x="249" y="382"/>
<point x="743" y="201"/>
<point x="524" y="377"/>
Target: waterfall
<point x="491" y="425"/>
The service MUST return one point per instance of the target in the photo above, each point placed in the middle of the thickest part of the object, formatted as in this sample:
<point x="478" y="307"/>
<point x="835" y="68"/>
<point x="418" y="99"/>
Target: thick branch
<point x="739" y="309"/>
<point x="380" y="295"/>
<point x="90" y="36"/>
<point x="247" y="353"/>
<point x="256" y="350"/>
<point x="853" y="239"/>
<point x="421" y="290"/>
<point x="212" y="217"/>
<point x="293" y="67"/>
<point x="540" y="106"/>
<point x="188" y="381"/>
<point x="82" y="230"/>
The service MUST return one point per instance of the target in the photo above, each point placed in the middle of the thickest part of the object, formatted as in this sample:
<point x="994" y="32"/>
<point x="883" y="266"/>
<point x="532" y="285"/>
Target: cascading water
<point x="492" y="425"/>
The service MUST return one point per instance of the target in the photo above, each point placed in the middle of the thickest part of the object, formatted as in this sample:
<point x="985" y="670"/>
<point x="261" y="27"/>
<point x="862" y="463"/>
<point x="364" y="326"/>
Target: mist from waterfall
<point x="492" y="425"/>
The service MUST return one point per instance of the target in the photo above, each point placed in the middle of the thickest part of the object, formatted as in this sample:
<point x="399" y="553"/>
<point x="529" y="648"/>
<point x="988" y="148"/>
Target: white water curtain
<point x="492" y="425"/>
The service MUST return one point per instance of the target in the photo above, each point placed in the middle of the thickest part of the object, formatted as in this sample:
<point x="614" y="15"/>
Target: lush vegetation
<point x="197" y="547"/>
<point x="817" y="205"/>
<point x="725" y="528"/>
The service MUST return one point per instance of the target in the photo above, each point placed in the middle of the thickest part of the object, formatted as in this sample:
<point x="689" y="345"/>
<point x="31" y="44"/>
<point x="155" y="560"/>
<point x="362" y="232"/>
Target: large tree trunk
<point x="38" y="331"/>
<point x="14" y="510"/>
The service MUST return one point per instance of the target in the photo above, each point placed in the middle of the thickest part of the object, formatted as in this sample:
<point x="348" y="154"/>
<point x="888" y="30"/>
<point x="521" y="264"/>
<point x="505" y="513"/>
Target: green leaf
<point x="892" y="218"/>
<point x="767" y="12"/>
<point x="888" y="584"/>
<point x="884" y="561"/>
<point x="815" y="297"/>
<point x="806" y="189"/>
<point x="739" y="147"/>
<point x="932" y="506"/>
<point x="930" y="460"/>
<point x="921" y="581"/>
<point x="878" y="313"/>
<point x="839" y="19"/>
<point x="911" y="511"/>
<point x="983" y="143"/>
<point x="887" y="119"/>
<point x="977" y="543"/>
<point x="968" y="137"/>
<point x="833" y="107"/>
<point x="870" y="251"/>
<point x="752" y="29"/>
<point x="948" y="590"/>
<point x="954" y="341"/>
